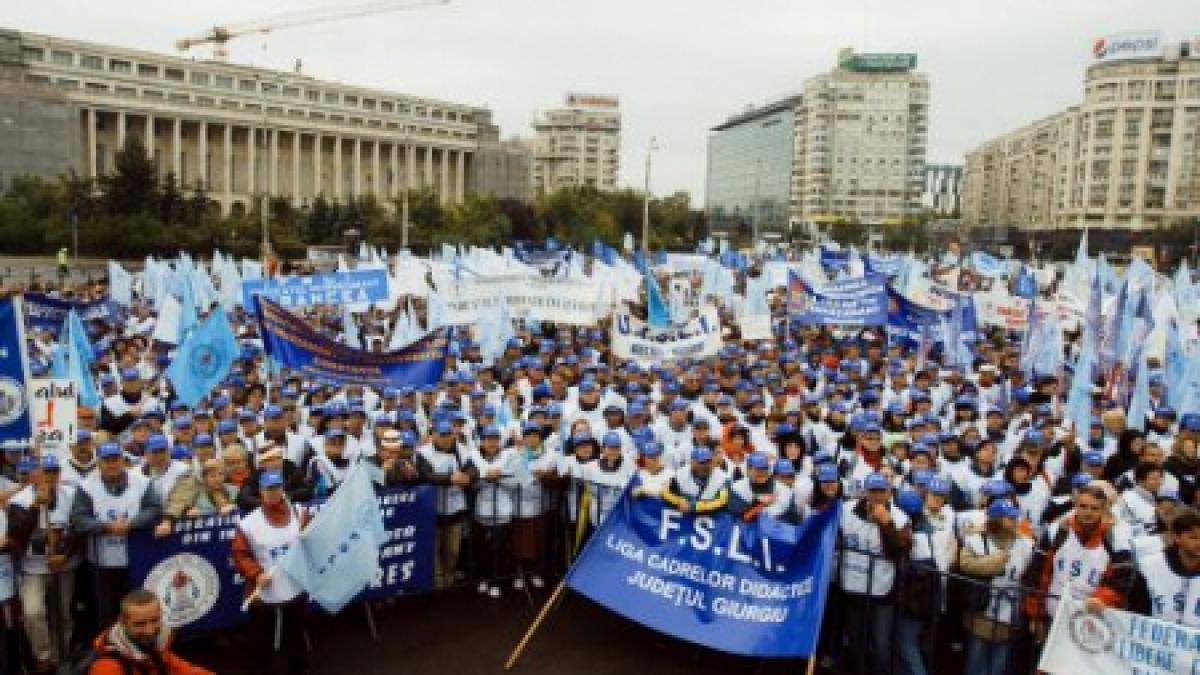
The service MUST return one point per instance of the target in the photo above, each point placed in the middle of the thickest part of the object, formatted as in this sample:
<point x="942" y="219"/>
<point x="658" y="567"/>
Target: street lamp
<point x="408" y="149"/>
<point x="651" y="147"/>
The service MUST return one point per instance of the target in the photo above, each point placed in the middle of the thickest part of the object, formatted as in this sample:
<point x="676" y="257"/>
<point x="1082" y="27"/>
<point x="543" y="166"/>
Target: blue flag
<point x="1139" y="404"/>
<point x="338" y="553"/>
<point x="120" y="283"/>
<point x="989" y="266"/>
<point x="1079" y="398"/>
<point x="1175" y="368"/>
<point x="756" y="589"/>
<point x="187" y="308"/>
<point x="15" y="421"/>
<point x="204" y="358"/>
<point x="72" y="359"/>
<point x="1026" y="285"/>
<point x="658" y="315"/>
<point x="861" y="301"/>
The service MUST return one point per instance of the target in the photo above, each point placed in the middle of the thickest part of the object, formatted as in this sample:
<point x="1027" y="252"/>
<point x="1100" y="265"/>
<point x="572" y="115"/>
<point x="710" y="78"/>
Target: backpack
<point x="1060" y="538"/>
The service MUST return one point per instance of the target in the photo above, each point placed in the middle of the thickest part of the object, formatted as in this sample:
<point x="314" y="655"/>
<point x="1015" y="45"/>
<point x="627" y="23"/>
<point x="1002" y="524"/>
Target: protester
<point x="140" y="642"/>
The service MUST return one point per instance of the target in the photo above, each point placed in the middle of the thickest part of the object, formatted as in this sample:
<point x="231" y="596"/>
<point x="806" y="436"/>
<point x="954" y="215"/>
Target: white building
<point x="1126" y="157"/>
<point x="578" y="145"/>
<point x="238" y="131"/>
<point x="861" y="134"/>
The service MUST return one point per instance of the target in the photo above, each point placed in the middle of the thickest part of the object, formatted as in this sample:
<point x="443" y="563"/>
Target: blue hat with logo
<point x="408" y="438"/>
<point x="784" y="467"/>
<point x="109" y="449"/>
<point x="202" y="439"/>
<point x="531" y="427"/>
<point x="334" y="432"/>
<point x="270" y="479"/>
<point x="50" y="462"/>
<point x="443" y="426"/>
<point x="1093" y="458"/>
<point x="827" y="473"/>
<point x="876" y="481"/>
<point x="156" y="442"/>
<point x="1002" y="508"/>
<point x="273" y="412"/>
<point x="758" y="460"/>
<point x="701" y="454"/>
<point x="996" y="488"/>
<point x="611" y="439"/>
<point x="181" y="451"/>
<point x="910" y="502"/>
<point x="489" y="431"/>
<point x="922" y="477"/>
<point x="650" y="449"/>
<point x="226" y="426"/>
<point x="83" y="436"/>
<point x="939" y="486"/>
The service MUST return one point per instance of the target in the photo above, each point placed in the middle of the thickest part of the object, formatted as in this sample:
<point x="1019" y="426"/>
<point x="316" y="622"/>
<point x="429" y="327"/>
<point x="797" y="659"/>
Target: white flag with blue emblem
<point x="337" y="555"/>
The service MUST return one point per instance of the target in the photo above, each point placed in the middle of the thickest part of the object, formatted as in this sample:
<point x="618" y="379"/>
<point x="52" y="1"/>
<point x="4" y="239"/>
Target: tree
<point x="170" y="201"/>
<point x="848" y="233"/>
<point x="132" y="187"/>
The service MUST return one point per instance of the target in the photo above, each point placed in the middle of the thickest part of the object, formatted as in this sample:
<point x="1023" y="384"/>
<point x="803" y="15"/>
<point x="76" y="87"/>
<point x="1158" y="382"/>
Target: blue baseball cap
<point x="181" y="451"/>
<point x="827" y="473"/>
<point x="701" y="454"/>
<point x="1002" y="508"/>
<point x="83" y="436"/>
<point x="273" y="412"/>
<point x="1079" y="480"/>
<point x="922" y="477"/>
<point x="910" y="502"/>
<point x="650" y="449"/>
<point x="334" y="432"/>
<point x="50" y="462"/>
<point x="489" y="431"/>
<point x="156" y="442"/>
<point x="758" y="460"/>
<point x="202" y="439"/>
<point x="226" y="426"/>
<point x="270" y="479"/>
<point x="531" y="427"/>
<point x="1093" y="458"/>
<point x="443" y="426"/>
<point x="939" y="486"/>
<point x="996" y="488"/>
<point x="876" y="481"/>
<point x="408" y="438"/>
<point x="784" y="467"/>
<point x="109" y="449"/>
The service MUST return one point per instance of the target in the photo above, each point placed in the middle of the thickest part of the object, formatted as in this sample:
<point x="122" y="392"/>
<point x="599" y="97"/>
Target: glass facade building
<point x="750" y="158"/>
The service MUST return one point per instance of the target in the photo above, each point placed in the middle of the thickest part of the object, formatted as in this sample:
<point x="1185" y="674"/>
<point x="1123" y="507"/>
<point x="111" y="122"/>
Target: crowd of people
<point x="968" y="505"/>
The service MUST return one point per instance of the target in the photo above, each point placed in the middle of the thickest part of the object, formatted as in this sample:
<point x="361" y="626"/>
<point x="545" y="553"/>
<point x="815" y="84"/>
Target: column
<point x="395" y="187"/>
<point x="337" y="168"/>
<point x="251" y="161"/>
<point x="273" y="158"/>
<point x="460" y="177"/>
<point x="202" y="146"/>
<point x="316" y="165"/>
<point x="356" y="175"/>
<point x="91" y="142"/>
<point x="410" y="172"/>
<point x="227" y="169"/>
<point x="428" y="167"/>
<point x="149" y="136"/>
<point x="377" y="184"/>
<point x="296" y="191"/>
<point x="120" y="130"/>
<point x="177" y="147"/>
<point x="444" y="187"/>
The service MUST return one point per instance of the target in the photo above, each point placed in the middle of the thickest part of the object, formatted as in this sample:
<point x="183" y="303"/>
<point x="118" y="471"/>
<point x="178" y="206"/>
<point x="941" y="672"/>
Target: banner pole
<point x="537" y="623"/>
<point x="812" y="664"/>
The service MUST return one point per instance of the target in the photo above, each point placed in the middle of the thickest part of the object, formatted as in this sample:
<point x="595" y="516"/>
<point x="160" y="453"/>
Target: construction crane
<point x="219" y="36"/>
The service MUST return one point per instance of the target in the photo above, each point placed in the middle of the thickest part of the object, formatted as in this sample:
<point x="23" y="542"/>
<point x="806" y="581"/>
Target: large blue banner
<point x="835" y="259"/>
<point x="906" y="320"/>
<point x="756" y="589"/>
<point x="191" y="571"/>
<point x="43" y="311"/>
<point x="292" y="343"/>
<point x="14" y="374"/>
<point x="332" y="288"/>
<point x="860" y="301"/>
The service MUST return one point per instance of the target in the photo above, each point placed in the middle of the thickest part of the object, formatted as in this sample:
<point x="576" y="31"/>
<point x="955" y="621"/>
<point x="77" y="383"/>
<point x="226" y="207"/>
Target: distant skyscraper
<point x="578" y="145"/>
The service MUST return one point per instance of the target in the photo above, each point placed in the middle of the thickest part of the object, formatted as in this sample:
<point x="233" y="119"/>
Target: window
<point x="96" y="87"/>
<point x="205" y="100"/>
<point x="248" y="85"/>
<point x="200" y="78"/>
<point x="37" y="79"/>
<point x="387" y="106"/>
<point x="350" y="100"/>
<point x="332" y="97"/>
<point x="65" y="83"/>
<point x="147" y="70"/>
<point x="32" y="54"/>
<point x="368" y="103"/>
<point x="270" y="88"/>
<point x="176" y="97"/>
<point x="91" y="61"/>
<point x="120" y="66"/>
<point x="312" y="95"/>
<point x="61" y="58"/>
<point x="223" y="82"/>
<point x="174" y="74"/>
<point x="152" y="93"/>
<point x="291" y="92"/>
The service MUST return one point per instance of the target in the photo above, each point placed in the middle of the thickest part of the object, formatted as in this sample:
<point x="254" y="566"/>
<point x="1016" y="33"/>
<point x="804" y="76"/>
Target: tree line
<point x="131" y="212"/>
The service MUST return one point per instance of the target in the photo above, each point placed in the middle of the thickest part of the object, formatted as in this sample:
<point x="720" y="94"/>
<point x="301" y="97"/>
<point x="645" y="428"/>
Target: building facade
<point x="941" y="192"/>
<point x="504" y="170"/>
<point x="240" y="132"/>
<point x="861" y="136"/>
<point x="578" y="145"/>
<point x="1126" y="157"/>
<point x="749" y="171"/>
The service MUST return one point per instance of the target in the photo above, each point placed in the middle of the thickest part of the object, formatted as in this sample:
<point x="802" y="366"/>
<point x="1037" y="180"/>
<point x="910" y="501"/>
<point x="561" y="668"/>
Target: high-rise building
<point x="578" y="145"/>
<point x="750" y="162"/>
<point x="861" y="133"/>
<point x="941" y="193"/>
<point x="1126" y="157"/>
<point x="237" y="131"/>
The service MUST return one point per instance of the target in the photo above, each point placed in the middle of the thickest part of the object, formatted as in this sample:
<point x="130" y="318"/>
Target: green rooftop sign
<point x="879" y="63"/>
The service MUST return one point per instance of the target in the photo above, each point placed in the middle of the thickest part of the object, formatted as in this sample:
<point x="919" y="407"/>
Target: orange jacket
<point x="109" y="662"/>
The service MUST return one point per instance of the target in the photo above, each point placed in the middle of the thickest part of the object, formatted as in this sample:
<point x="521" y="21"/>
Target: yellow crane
<point x="219" y="36"/>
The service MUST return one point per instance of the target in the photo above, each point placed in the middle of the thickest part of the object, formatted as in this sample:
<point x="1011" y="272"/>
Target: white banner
<point x="699" y="338"/>
<point x="1117" y="643"/>
<point x="53" y="404"/>
<point x="755" y="327"/>
<point x="999" y="308"/>
<point x="578" y="303"/>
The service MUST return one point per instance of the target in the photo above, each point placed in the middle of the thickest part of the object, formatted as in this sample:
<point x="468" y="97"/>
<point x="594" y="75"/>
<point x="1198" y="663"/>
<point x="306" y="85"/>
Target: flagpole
<point x="812" y="664"/>
<point x="537" y="623"/>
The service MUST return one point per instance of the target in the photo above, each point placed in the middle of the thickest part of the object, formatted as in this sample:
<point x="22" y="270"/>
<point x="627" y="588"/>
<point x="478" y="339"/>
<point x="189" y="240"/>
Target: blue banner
<point x="292" y="343"/>
<point x="14" y="374"/>
<point x="756" y="589"/>
<point x="835" y="259"/>
<point x="887" y="267"/>
<point x="43" y="311"/>
<point x="906" y="319"/>
<point x="331" y="288"/>
<point x="861" y="301"/>
<point x="191" y="571"/>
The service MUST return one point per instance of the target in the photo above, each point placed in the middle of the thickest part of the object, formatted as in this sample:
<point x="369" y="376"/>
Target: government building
<point x="238" y="131"/>
<point x="1125" y="157"/>
<point x="578" y="145"/>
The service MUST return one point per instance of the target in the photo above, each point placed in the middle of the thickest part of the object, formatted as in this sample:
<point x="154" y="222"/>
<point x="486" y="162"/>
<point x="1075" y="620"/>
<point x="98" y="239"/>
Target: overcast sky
<point x="678" y="66"/>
